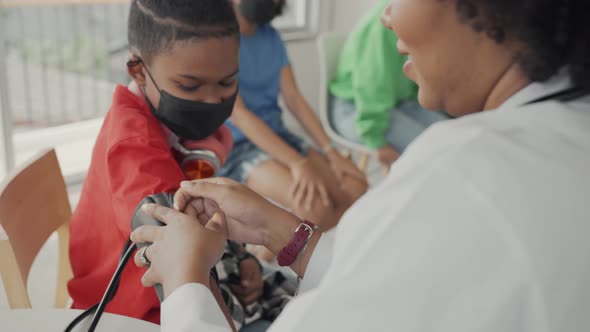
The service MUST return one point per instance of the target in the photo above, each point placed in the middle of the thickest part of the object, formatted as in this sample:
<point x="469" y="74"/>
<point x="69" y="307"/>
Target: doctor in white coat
<point x="483" y="225"/>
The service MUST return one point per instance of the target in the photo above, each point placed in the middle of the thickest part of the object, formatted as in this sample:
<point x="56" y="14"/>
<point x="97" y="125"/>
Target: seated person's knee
<point x="318" y="213"/>
<point x="354" y="189"/>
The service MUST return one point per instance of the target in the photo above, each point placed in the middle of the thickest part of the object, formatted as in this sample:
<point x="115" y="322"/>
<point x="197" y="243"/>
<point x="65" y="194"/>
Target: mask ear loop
<point x="133" y="63"/>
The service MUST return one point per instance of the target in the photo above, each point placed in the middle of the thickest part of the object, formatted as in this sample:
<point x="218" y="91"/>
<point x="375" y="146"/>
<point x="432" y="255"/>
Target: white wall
<point x="335" y="16"/>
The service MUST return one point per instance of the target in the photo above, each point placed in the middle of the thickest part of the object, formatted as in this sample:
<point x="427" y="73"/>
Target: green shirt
<point x="370" y="74"/>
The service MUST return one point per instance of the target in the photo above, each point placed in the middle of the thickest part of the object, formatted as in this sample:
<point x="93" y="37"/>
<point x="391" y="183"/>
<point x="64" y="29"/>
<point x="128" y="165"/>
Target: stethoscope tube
<point x="109" y="294"/>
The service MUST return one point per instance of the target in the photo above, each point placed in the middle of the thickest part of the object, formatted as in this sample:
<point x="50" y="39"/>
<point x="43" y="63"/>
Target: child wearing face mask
<point x="183" y="65"/>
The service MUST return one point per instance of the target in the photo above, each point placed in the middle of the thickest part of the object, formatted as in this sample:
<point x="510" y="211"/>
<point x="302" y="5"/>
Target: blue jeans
<point x="246" y="156"/>
<point x="407" y="121"/>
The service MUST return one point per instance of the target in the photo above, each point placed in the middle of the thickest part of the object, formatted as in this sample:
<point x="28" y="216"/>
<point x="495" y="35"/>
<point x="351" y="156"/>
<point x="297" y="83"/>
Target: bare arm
<point x="297" y="105"/>
<point x="306" y="181"/>
<point x="306" y="116"/>
<point x="262" y="135"/>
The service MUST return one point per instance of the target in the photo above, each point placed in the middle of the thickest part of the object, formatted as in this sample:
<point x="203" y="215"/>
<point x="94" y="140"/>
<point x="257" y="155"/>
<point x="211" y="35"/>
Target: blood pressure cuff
<point x="140" y="218"/>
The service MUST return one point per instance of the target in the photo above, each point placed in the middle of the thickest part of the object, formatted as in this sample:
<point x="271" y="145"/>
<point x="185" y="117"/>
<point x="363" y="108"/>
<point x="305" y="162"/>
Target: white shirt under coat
<point x="483" y="225"/>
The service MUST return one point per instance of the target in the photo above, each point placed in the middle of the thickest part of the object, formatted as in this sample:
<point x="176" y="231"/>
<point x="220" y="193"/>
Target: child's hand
<point x="387" y="155"/>
<point x="252" y="285"/>
<point x="181" y="252"/>
<point x="344" y="166"/>
<point x="307" y="183"/>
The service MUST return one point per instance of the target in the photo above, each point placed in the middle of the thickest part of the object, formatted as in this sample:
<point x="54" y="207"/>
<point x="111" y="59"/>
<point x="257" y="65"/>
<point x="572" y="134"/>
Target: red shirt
<point x="131" y="160"/>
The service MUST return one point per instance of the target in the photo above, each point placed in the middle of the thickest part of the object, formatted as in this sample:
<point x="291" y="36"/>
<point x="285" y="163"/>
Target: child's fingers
<point x="339" y="174"/>
<point x="309" y="196"/>
<point x="356" y="172"/>
<point x="294" y="189"/>
<point x="324" y="195"/>
<point x="299" y="194"/>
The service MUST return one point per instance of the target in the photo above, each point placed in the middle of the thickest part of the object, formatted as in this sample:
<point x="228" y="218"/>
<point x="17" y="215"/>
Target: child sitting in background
<point x="373" y="102"/>
<point x="266" y="156"/>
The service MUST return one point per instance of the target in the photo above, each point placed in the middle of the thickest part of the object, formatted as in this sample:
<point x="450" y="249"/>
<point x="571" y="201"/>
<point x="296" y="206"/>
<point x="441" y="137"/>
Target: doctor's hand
<point x="248" y="217"/>
<point x="183" y="251"/>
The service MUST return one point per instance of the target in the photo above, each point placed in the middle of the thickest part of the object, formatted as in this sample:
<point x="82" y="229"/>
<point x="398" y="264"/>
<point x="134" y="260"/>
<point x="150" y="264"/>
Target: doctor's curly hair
<point x="555" y="33"/>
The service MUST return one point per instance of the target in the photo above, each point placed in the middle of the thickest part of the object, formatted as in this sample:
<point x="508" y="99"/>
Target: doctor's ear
<point x="135" y="70"/>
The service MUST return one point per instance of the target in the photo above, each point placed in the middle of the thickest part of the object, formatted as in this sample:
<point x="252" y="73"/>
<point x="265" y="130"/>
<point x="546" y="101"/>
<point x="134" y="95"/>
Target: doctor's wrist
<point x="280" y="230"/>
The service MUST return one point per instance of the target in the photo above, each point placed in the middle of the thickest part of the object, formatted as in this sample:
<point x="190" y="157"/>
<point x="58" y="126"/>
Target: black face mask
<point x="192" y="120"/>
<point x="259" y="11"/>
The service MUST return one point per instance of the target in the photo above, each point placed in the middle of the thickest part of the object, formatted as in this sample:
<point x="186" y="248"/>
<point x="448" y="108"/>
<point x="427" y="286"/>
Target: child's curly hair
<point x="154" y="25"/>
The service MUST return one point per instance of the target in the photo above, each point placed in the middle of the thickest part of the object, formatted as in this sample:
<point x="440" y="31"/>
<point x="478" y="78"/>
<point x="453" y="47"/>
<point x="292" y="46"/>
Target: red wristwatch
<point x="302" y="235"/>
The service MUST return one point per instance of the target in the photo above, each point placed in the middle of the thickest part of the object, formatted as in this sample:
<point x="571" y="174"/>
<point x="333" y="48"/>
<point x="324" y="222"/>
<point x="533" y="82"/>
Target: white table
<point x="56" y="320"/>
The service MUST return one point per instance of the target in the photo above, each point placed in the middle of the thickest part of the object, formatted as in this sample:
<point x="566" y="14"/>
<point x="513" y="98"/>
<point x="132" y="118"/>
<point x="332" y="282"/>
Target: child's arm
<point x="138" y="167"/>
<point x="297" y="104"/>
<point x="306" y="116"/>
<point x="262" y="135"/>
<point x="306" y="181"/>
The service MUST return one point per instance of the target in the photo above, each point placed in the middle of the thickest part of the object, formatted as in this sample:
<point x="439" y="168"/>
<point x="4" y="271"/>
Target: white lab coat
<point x="483" y="225"/>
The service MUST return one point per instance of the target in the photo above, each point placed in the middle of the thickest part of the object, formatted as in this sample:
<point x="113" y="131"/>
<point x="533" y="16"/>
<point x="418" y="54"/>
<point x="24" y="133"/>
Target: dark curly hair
<point x="554" y="33"/>
<point x="155" y="25"/>
<point x="262" y="11"/>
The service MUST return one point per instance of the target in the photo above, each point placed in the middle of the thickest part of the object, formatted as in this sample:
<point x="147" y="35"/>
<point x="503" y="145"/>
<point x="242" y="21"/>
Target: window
<point x="300" y="19"/>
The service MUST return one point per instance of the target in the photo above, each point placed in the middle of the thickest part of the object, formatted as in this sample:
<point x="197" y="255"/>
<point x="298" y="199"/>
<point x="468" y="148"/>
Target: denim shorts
<point x="246" y="156"/>
<point x="407" y="121"/>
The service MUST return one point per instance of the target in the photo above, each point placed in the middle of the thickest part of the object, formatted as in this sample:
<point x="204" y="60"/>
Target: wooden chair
<point x="33" y="204"/>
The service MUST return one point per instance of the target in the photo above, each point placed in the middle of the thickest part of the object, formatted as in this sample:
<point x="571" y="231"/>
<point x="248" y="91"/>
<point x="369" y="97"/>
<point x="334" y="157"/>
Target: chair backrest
<point x="330" y="47"/>
<point x="33" y="204"/>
